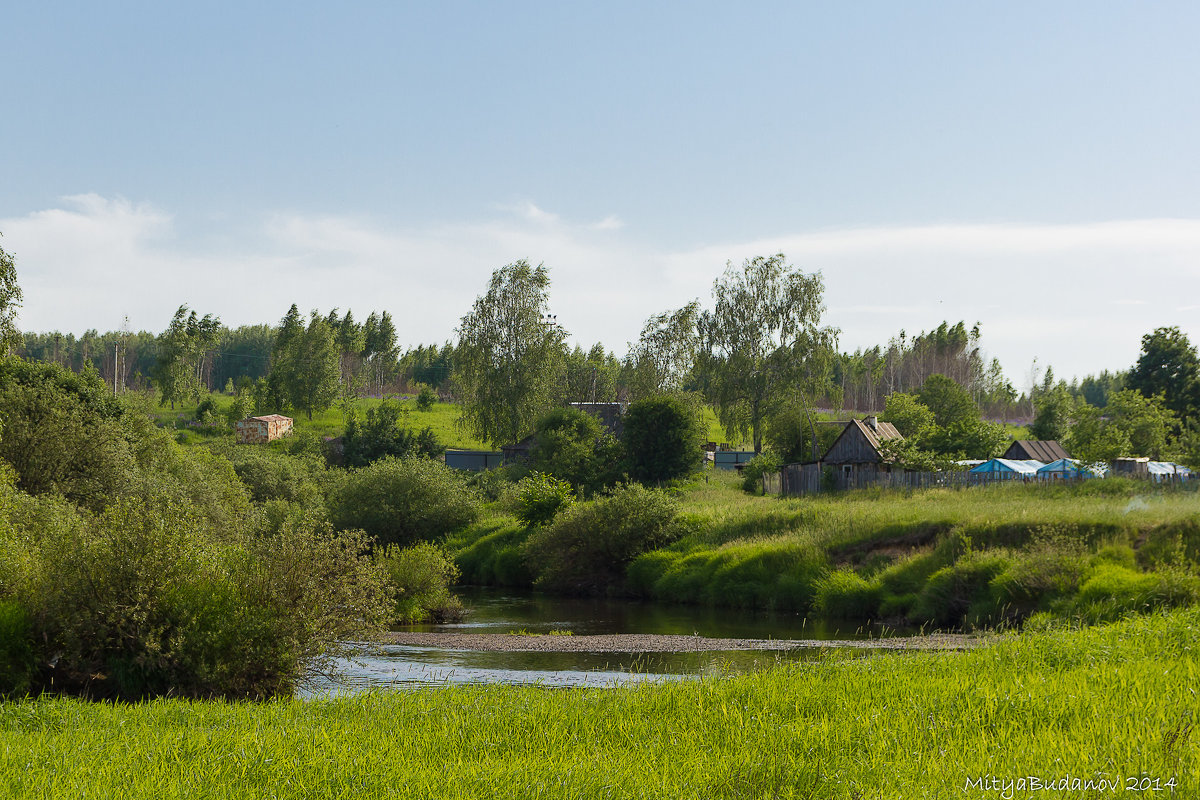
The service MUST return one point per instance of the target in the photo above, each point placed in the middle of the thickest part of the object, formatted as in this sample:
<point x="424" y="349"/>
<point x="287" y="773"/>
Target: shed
<point x="731" y="459"/>
<point x="1005" y="469"/>
<point x="1166" y="471"/>
<point x="1069" y="469"/>
<point x="857" y="453"/>
<point x="1044" y="450"/>
<point x="1131" y="467"/>
<point x="259" y="430"/>
<point x="474" y="460"/>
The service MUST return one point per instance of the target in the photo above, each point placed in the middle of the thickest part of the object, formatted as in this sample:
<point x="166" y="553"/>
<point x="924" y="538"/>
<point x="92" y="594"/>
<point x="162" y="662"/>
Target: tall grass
<point x="1113" y="702"/>
<point x="948" y="557"/>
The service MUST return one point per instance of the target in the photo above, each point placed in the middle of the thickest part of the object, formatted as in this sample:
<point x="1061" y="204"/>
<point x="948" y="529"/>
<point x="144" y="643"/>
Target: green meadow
<point x="1114" y="702"/>
<point x="442" y="418"/>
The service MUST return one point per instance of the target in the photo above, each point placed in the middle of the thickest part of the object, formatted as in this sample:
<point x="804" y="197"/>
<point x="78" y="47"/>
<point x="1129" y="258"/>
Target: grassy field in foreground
<point x="1110" y="703"/>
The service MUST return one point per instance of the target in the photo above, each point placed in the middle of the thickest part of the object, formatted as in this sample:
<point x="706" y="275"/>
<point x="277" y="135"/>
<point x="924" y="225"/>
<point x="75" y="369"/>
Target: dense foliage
<point x="662" y="437"/>
<point x="571" y="445"/>
<point x="383" y="434"/>
<point x="402" y="500"/>
<point x="587" y="547"/>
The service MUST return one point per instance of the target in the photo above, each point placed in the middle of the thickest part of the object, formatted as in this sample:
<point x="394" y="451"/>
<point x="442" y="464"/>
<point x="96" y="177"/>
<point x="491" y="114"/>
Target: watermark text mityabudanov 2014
<point x="1007" y="788"/>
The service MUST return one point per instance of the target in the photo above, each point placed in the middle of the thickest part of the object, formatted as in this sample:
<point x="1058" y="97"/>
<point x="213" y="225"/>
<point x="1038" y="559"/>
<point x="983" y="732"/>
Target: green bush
<point x="272" y="475"/>
<point x="949" y="594"/>
<point x="421" y="576"/>
<point x="207" y="411"/>
<point x="662" y="437"/>
<point x="403" y="500"/>
<point x="18" y="664"/>
<point x="773" y="574"/>
<point x="147" y="598"/>
<point x="540" y="497"/>
<point x="572" y="446"/>
<point x="843" y="593"/>
<point x="426" y="397"/>
<point x="63" y="432"/>
<point x="752" y="474"/>
<point x="1032" y="581"/>
<point x="382" y="435"/>
<point x="492" y="552"/>
<point x="587" y="547"/>
<point x="1111" y="591"/>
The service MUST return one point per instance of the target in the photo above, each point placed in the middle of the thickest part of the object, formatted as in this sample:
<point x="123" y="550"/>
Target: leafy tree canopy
<point x="662" y="437"/>
<point x="762" y="343"/>
<point x="10" y="301"/>
<point x="509" y="360"/>
<point x="1168" y="366"/>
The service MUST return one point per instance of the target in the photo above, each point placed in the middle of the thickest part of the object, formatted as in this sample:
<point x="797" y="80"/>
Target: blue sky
<point x="1031" y="166"/>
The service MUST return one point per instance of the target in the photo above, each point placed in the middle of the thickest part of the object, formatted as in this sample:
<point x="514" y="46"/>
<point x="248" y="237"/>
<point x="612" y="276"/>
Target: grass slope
<point x="1113" y="702"/>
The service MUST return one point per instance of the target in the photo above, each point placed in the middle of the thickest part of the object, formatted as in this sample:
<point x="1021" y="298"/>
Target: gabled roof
<point x="883" y="432"/>
<point x="1045" y="451"/>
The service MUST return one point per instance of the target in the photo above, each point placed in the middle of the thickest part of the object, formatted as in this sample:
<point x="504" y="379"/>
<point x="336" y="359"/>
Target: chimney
<point x="873" y="423"/>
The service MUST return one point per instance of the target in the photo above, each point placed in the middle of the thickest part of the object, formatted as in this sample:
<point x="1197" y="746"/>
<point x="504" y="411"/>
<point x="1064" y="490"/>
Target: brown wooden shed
<point x="857" y="452"/>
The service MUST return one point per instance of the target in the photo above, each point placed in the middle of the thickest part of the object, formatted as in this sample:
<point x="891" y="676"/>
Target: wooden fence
<point x="800" y="479"/>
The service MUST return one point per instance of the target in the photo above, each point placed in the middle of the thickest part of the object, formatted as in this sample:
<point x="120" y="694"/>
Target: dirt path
<point x="652" y="643"/>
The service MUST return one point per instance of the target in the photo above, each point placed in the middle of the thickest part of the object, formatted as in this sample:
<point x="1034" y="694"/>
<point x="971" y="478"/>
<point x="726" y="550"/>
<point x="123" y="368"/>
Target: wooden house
<point x="1046" y="451"/>
<point x="259" y="430"/>
<point x="857" y="453"/>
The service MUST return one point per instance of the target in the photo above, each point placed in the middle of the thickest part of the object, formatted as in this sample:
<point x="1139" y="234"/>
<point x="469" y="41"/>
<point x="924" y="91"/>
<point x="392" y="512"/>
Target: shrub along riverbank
<point x="949" y="558"/>
<point x="1108" y="703"/>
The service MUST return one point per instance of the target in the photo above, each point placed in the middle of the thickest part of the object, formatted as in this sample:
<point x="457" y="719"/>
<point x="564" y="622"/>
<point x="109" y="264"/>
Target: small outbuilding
<point x="1166" y="471"/>
<point x="1005" y="469"/>
<point x="1069" y="469"/>
<point x="259" y="430"/>
<point x="731" y="459"/>
<point x="857" y="453"/>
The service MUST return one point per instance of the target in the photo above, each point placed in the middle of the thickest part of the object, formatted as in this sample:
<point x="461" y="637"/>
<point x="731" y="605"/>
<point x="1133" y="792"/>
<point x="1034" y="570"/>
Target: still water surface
<point x="501" y="611"/>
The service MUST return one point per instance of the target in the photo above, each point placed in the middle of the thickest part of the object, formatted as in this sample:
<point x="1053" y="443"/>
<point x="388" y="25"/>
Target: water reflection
<point x="507" y="612"/>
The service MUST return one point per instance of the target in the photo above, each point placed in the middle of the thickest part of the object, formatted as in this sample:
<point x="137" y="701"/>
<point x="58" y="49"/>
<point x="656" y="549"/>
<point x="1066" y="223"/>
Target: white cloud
<point x="1078" y="297"/>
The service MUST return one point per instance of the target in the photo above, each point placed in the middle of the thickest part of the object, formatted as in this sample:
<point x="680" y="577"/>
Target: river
<point x="500" y="611"/>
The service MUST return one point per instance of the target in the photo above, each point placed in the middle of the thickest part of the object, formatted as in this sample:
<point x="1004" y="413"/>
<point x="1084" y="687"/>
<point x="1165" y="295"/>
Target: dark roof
<point x="883" y="432"/>
<point x="1046" y="451"/>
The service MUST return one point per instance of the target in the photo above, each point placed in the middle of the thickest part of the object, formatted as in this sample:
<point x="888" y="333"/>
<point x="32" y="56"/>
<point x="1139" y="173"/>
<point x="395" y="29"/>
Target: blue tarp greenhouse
<point x="1005" y="469"/>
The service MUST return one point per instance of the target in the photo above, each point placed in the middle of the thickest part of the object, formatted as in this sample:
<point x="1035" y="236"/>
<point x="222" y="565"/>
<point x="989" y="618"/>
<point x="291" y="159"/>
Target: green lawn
<point x="1112" y="703"/>
<point x="442" y="418"/>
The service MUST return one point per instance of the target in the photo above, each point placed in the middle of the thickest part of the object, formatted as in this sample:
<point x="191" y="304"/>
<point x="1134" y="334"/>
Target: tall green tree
<point x="509" y="361"/>
<point x="661" y="362"/>
<point x="314" y="380"/>
<point x="949" y="402"/>
<point x="184" y="355"/>
<point x="763" y="343"/>
<point x="10" y="301"/>
<point x="1054" y="411"/>
<point x="1168" y="366"/>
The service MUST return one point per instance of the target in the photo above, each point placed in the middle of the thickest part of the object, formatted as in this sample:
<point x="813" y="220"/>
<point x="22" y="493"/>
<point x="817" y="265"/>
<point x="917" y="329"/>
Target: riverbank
<point x="986" y="556"/>
<point x="657" y="643"/>
<point x="1109" y="703"/>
